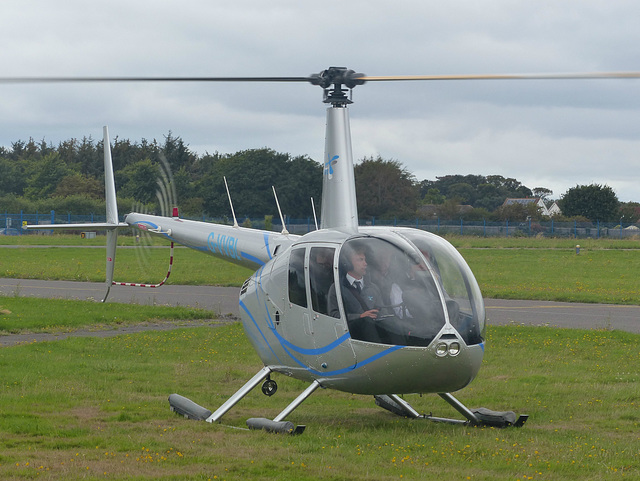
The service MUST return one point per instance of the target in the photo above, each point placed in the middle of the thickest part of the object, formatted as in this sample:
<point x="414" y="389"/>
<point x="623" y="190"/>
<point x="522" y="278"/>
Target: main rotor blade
<point x="593" y="75"/>
<point x="16" y="80"/>
<point x="314" y="79"/>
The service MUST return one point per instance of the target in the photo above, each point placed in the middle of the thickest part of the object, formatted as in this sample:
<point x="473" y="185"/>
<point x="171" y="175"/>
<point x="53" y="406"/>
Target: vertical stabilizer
<point x="339" y="208"/>
<point x="112" y="211"/>
<point x="109" y="182"/>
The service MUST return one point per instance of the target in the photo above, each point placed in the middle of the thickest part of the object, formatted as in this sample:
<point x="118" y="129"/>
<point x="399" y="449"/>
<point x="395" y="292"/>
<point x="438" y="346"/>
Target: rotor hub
<point x="332" y="80"/>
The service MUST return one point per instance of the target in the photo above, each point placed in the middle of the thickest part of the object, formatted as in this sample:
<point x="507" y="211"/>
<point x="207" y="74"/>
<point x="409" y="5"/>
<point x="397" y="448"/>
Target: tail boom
<point x="239" y="245"/>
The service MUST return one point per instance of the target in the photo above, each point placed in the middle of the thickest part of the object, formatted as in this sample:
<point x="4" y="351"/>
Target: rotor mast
<point x="339" y="208"/>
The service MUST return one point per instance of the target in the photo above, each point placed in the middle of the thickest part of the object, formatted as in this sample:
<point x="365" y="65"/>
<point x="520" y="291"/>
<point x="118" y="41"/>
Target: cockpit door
<point x="312" y="337"/>
<point x="331" y="338"/>
<point x="297" y="333"/>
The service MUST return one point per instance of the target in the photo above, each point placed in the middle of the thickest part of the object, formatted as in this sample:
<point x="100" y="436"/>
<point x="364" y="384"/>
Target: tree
<point x="449" y="209"/>
<point x="465" y="193"/>
<point x="630" y="211"/>
<point x="433" y="196"/>
<point x="177" y="153"/>
<point x="477" y="190"/>
<point x="543" y="193"/>
<point x="385" y="188"/>
<point x="12" y="178"/>
<point x="76" y="204"/>
<point x="518" y="212"/>
<point x="250" y="175"/>
<point x="139" y="181"/>
<point x="44" y="176"/>
<point x="90" y="158"/>
<point x="78" y="184"/>
<point x="595" y="202"/>
<point x="489" y="197"/>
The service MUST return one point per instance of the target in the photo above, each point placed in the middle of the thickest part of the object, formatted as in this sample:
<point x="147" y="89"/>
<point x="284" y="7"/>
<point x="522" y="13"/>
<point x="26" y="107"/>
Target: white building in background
<point x="550" y="212"/>
<point x="554" y="210"/>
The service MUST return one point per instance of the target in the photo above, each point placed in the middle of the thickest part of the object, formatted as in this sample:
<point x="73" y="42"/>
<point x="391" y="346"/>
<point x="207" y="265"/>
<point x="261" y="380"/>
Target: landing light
<point x="447" y="348"/>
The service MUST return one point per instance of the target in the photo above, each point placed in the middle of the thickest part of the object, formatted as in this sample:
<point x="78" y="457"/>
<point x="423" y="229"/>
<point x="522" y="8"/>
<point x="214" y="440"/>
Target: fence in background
<point x="11" y="224"/>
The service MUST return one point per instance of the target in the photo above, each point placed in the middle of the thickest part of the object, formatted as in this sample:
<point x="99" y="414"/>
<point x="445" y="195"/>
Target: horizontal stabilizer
<point x="89" y="226"/>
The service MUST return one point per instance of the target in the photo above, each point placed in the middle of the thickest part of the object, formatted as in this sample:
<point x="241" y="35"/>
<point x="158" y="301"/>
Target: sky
<point x="554" y="134"/>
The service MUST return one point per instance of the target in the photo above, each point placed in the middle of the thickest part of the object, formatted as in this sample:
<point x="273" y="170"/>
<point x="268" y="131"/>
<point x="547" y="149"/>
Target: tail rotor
<point x="167" y="201"/>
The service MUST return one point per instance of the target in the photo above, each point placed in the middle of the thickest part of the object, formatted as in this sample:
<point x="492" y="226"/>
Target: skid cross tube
<point x="297" y="401"/>
<point x="458" y="406"/>
<point x="240" y="393"/>
<point x="406" y="407"/>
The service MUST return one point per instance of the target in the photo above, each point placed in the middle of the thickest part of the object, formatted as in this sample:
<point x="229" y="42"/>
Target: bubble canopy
<point x="411" y="285"/>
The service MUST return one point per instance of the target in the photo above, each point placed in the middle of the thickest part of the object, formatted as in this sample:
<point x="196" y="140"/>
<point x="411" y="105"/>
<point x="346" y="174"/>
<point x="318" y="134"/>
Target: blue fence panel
<point x="11" y="223"/>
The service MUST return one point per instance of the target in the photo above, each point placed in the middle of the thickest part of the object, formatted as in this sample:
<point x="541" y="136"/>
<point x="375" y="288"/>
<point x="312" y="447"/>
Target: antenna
<point x="235" y="222"/>
<point x="284" y="228"/>
<point x="313" y="208"/>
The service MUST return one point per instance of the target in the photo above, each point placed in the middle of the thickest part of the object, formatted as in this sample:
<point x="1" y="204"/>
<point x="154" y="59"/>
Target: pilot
<point x="359" y="295"/>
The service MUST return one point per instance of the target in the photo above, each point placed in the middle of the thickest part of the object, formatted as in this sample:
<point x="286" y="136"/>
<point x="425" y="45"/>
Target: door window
<point x="297" y="284"/>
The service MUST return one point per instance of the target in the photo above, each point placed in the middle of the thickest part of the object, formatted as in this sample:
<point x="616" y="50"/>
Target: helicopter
<point x="370" y="310"/>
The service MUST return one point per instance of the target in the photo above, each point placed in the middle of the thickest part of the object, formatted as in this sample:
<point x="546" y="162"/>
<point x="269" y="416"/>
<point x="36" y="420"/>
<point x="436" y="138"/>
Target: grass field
<point x="29" y="314"/>
<point x="89" y="408"/>
<point x="512" y="268"/>
<point x="604" y="276"/>
<point x="80" y="264"/>
<point x="456" y="240"/>
<point x="96" y="409"/>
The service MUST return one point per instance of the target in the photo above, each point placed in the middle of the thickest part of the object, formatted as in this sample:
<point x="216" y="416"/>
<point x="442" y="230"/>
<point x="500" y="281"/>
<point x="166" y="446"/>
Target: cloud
<point x="554" y="134"/>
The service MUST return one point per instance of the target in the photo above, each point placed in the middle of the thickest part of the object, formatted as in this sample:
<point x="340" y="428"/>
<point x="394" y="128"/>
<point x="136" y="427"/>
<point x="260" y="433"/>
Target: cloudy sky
<point x="545" y="133"/>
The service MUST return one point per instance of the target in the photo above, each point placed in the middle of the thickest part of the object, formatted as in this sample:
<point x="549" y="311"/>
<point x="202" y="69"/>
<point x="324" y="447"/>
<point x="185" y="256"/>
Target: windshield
<point x="403" y="288"/>
<point x="459" y="284"/>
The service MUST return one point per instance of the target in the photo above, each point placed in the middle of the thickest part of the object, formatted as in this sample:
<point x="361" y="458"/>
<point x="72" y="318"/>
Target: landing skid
<point x="477" y="417"/>
<point x="191" y="410"/>
<point x="391" y="402"/>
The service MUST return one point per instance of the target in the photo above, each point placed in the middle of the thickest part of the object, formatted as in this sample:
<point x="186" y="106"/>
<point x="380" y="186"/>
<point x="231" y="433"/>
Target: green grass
<point x="518" y="268"/>
<point x="78" y="264"/>
<point x="29" y="314"/>
<point x="36" y="238"/>
<point x="93" y="408"/>
<point x="456" y="240"/>
<point x="542" y="243"/>
<point x="89" y="408"/>
<point x="602" y="276"/>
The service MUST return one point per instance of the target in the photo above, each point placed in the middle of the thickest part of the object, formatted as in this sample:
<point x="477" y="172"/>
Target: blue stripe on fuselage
<point x="287" y="346"/>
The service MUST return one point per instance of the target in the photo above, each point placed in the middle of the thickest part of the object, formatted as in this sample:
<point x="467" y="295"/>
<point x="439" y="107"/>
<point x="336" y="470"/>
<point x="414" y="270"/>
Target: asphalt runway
<point x="224" y="301"/>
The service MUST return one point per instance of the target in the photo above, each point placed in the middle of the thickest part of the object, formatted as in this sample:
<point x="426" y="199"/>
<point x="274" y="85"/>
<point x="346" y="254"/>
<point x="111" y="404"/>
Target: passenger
<point x="380" y="272"/>
<point x="402" y="291"/>
<point x="416" y="303"/>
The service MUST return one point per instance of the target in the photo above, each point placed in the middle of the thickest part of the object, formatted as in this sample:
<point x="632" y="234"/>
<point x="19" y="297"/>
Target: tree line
<point x="69" y="177"/>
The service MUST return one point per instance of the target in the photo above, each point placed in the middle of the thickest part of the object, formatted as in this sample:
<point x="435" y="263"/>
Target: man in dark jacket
<point x="361" y="298"/>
